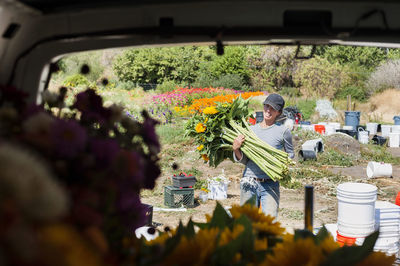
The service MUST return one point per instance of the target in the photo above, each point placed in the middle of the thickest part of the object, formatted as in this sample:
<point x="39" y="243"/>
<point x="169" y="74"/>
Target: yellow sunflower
<point x="200" y="127"/>
<point x="210" y="110"/>
<point x="268" y="228"/>
<point x="328" y="245"/>
<point x="205" y="120"/>
<point x="300" y="252"/>
<point x="199" y="148"/>
<point x="261" y="244"/>
<point x="227" y="235"/>
<point x="194" y="251"/>
<point x="377" y="258"/>
<point x="160" y="240"/>
<point x="252" y="213"/>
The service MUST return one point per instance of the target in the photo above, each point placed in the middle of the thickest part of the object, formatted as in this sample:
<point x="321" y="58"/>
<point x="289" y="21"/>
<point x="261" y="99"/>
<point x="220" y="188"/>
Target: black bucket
<point x="379" y="129"/>
<point x="308" y="154"/>
<point x="379" y="140"/>
<point x="351" y="133"/>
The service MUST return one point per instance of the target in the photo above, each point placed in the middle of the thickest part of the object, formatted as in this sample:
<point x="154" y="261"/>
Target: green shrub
<point x="71" y="64"/>
<point x="357" y="93"/>
<point x="306" y="107"/>
<point x="76" y="80"/>
<point x="231" y="81"/>
<point x="317" y="77"/>
<point x="167" y="85"/>
<point x="377" y="153"/>
<point x="290" y="91"/>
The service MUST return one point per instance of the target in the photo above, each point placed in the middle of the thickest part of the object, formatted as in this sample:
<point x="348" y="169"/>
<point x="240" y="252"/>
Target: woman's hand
<point x="237" y="143"/>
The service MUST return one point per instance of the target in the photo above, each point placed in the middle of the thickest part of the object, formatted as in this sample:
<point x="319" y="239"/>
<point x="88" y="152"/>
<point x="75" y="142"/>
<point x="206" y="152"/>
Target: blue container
<point x="305" y="123"/>
<point x="259" y="117"/>
<point x="352" y="118"/>
<point x="396" y="120"/>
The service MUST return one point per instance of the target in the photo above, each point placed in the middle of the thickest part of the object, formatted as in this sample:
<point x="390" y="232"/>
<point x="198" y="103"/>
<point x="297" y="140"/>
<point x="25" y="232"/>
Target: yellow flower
<point x="177" y="109"/>
<point x="65" y="246"/>
<point x="202" y="139"/>
<point x="208" y="218"/>
<point x="210" y="110"/>
<point x="205" y="120"/>
<point x="328" y="245"/>
<point x="300" y="252"/>
<point x="160" y="240"/>
<point x="261" y="244"/>
<point x="200" y="128"/>
<point x="377" y="258"/>
<point x="194" y="251"/>
<point x="200" y="147"/>
<point x="205" y="157"/>
<point x="227" y="235"/>
<point x="268" y="228"/>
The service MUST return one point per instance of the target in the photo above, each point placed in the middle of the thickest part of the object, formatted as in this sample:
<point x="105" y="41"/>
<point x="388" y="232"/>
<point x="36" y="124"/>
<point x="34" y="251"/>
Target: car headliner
<point x="37" y="32"/>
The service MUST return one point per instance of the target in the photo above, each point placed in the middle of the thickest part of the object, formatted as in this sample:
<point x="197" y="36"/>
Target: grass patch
<point x="292" y="214"/>
<point x="331" y="157"/>
<point x="377" y="153"/>
<point x="172" y="133"/>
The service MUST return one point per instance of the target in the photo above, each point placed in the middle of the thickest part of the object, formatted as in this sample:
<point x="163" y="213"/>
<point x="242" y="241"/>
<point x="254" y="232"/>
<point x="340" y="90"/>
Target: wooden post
<point x="308" y="208"/>
<point x="348" y="102"/>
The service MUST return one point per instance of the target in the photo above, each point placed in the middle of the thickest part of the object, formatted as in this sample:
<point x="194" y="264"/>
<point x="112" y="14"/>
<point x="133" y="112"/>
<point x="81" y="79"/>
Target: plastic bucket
<point x="345" y="240"/>
<point x="363" y="136"/>
<point x="307" y="127"/>
<point x="386" y="129"/>
<point x="375" y="169"/>
<point x="352" y="118"/>
<point x="314" y="144"/>
<point x="329" y="130"/>
<point x="394" y="140"/>
<point x="335" y="125"/>
<point x="320" y="129"/>
<point x="372" y="128"/>
<point x="356" y="209"/>
<point x="396" y="120"/>
<point x="379" y="140"/>
<point x="308" y="154"/>
<point x="396" y="129"/>
<point x="348" y="128"/>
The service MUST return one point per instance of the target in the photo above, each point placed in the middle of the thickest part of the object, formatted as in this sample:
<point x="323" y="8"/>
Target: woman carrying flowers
<point x="256" y="182"/>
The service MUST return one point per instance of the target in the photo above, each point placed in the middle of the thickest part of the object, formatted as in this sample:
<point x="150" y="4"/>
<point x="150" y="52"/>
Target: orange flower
<point x="205" y="157"/>
<point x="200" y="127"/>
<point x="200" y="147"/>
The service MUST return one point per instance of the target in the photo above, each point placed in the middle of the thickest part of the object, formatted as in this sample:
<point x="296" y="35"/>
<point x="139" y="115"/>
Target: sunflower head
<point x="210" y="110"/>
<point x="200" y="127"/>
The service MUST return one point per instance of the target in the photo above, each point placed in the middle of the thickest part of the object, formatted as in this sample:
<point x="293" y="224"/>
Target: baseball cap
<point x="276" y="101"/>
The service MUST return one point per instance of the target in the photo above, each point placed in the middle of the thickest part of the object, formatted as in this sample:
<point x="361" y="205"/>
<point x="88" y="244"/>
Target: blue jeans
<point x="267" y="194"/>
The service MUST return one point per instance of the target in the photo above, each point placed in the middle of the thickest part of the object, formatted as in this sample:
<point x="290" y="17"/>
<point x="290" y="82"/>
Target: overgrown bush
<point x="272" y="67"/>
<point x="231" y="81"/>
<point x="76" y="80"/>
<point x="71" y="64"/>
<point x="167" y="85"/>
<point x="384" y="77"/>
<point x="317" y="77"/>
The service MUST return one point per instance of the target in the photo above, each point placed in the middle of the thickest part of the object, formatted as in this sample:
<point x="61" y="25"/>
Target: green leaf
<point x="220" y="217"/>
<point x="322" y="234"/>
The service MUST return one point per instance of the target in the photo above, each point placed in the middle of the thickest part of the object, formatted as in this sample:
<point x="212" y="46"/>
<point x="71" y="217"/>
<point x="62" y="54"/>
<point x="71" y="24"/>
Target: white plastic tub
<point x="375" y="169"/>
<point x="386" y="129"/>
<point x="372" y="128"/>
<point x="356" y="209"/>
<point x="335" y="125"/>
<point x="394" y="139"/>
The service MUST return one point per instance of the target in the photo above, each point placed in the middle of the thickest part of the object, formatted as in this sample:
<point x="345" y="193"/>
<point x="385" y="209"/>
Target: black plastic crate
<point x="178" y="197"/>
<point x="183" y="181"/>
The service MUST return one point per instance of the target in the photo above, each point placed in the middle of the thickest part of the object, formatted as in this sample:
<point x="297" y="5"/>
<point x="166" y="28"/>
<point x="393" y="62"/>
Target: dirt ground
<point x="291" y="202"/>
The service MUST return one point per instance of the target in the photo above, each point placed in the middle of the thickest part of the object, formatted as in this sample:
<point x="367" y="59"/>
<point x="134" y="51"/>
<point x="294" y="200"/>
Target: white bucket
<point x="375" y="169"/>
<point x="396" y="128"/>
<point x="356" y="209"/>
<point x="394" y="140"/>
<point x="348" y="127"/>
<point x="387" y="210"/>
<point x="323" y="123"/>
<point x="329" y="130"/>
<point x="386" y="129"/>
<point x="335" y="125"/>
<point x="363" y="136"/>
<point x="203" y="197"/>
<point x="372" y="128"/>
<point x="307" y="127"/>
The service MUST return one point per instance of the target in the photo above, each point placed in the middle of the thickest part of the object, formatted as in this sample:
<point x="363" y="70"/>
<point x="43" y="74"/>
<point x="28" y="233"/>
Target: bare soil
<point x="291" y="202"/>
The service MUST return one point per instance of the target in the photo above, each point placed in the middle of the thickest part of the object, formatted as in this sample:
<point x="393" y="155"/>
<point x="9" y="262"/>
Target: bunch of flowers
<point x="244" y="236"/>
<point x="185" y="96"/>
<point x="215" y="129"/>
<point x="70" y="181"/>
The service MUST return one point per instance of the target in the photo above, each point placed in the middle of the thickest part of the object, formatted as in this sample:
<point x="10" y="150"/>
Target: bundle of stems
<point x="272" y="161"/>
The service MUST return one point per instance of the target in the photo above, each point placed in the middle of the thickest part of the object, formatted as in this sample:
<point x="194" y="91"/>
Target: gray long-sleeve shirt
<point x="276" y="135"/>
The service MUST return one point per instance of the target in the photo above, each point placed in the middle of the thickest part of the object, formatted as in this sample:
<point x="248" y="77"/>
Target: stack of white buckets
<point x="359" y="215"/>
<point x="393" y="132"/>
